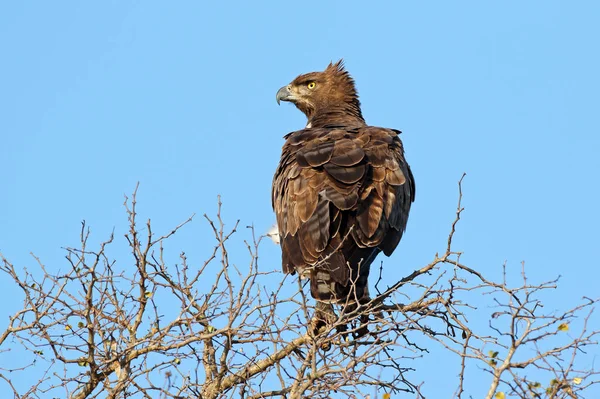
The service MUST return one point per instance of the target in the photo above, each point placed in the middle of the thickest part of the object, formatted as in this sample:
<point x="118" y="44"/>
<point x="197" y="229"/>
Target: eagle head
<point x="323" y="94"/>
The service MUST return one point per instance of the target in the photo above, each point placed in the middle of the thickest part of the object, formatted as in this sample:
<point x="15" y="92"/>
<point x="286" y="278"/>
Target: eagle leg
<point x="363" y="329"/>
<point x="324" y="315"/>
<point x="363" y="313"/>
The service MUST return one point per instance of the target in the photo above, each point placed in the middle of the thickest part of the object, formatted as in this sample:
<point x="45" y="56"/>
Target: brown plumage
<point x="342" y="191"/>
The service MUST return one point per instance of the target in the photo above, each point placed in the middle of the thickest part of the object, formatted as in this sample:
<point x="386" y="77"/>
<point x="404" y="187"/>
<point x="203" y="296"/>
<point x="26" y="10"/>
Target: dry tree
<point x="215" y="329"/>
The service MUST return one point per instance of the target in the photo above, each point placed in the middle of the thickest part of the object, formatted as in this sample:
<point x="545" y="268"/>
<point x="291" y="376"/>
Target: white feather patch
<point x="273" y="234"/>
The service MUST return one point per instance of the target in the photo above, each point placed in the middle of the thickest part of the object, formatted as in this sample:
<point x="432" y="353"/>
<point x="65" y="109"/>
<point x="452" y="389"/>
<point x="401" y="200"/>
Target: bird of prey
<point x="342" y="191"/>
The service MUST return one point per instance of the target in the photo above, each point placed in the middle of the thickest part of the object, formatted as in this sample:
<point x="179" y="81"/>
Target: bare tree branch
<point x="214" y="329"/>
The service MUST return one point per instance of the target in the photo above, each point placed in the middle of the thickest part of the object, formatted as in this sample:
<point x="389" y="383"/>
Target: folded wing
<point x="340" y="196"/>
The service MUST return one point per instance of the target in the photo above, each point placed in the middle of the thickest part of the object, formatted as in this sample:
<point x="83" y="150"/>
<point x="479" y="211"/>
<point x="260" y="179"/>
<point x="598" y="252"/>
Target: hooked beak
<point x="284" y="94"/>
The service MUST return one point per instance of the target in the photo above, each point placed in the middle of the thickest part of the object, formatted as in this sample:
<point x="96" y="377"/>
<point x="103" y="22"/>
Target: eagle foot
<point x="326" y="346"/>
<point x="324" y="316"/>
<point x="317" y="325"/>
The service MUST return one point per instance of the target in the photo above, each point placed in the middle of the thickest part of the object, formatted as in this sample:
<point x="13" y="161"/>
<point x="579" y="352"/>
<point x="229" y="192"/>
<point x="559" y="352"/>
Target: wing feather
<point x="315" y="232"/>
<point x="315" y="153"/>
<point x="345" y="174"/>
<point x="347" y="152"/>
<point x="369" y="214"/>
<point x="306" y="204"/>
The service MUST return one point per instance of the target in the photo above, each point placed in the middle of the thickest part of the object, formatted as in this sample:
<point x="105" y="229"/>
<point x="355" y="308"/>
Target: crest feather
<point x="337" y="68"/>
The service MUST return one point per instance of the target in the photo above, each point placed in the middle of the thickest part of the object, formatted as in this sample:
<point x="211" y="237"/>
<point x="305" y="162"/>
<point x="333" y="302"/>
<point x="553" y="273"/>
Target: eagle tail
<point x="343" y="278"/>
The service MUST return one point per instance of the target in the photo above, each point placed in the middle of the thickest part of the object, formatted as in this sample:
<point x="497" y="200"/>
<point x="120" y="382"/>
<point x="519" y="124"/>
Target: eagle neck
<point x="346" y="116"/>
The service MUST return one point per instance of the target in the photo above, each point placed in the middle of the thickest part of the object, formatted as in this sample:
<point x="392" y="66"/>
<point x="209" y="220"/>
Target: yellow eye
<point x="311" y="85"/>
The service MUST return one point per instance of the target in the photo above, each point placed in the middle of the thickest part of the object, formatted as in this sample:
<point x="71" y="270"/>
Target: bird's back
<point x="341" y="195"/>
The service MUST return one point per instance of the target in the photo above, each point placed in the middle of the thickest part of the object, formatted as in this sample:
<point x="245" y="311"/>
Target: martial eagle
<point x="342" y="191"/>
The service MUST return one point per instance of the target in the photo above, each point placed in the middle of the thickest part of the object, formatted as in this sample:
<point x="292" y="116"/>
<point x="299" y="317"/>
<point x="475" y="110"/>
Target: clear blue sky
<point x="98" y="96"/>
